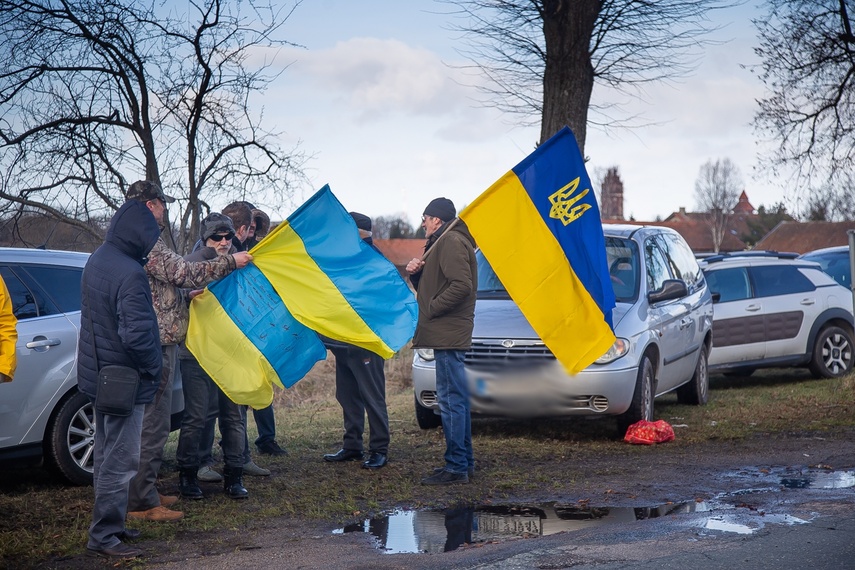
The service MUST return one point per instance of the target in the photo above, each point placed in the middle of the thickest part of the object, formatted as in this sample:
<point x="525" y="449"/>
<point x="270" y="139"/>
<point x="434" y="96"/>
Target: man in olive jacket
<point x="446" y="279"/>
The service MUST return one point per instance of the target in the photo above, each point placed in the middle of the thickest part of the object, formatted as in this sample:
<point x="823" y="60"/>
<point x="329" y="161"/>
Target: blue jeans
<point x="453" y="394"/>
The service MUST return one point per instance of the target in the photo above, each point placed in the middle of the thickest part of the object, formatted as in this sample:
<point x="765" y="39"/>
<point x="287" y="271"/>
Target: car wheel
<point x="70" y="440"/>
<point x="426" y="417"/>
<point x="641" y="407"/>
<point x="696" y="391"/>
<point x="832" y="353"/>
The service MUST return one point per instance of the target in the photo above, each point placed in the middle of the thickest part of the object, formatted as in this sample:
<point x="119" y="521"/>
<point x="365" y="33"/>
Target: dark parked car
<point x="835" y="261"/>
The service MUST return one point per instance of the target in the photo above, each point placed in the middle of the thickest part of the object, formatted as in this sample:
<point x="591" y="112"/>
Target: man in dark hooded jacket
<point x="118" y="326"/>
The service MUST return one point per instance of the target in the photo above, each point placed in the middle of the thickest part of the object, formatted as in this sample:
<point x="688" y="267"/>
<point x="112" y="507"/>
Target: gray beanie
<point x="216" y="222"/>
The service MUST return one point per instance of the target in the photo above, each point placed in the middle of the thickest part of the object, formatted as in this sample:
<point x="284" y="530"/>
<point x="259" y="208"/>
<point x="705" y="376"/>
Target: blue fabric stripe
<point x="334" y="241"/>
<point x="552" y="166"/>
<point x="254" y="306"/>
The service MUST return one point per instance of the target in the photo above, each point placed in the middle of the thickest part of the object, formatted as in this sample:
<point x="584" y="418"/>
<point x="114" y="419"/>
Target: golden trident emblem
<point x="564" y="207"/>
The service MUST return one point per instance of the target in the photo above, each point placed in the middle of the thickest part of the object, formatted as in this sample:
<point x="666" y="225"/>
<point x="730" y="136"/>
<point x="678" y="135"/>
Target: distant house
<point x="802" y="237"/>
<point x="401" y="251"/>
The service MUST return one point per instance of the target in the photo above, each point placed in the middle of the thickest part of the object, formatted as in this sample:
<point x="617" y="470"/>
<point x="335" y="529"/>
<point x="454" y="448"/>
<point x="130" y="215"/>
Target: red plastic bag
<point x="648" y="433"/>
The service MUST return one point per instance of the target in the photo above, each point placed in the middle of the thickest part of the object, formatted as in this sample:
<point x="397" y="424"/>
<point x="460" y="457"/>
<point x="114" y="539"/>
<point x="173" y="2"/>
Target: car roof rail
<point x="751" y="253"/>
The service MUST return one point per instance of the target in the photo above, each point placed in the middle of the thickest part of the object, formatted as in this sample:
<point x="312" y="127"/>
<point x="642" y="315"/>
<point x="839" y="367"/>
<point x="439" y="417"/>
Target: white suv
<point x="774" y="310"/>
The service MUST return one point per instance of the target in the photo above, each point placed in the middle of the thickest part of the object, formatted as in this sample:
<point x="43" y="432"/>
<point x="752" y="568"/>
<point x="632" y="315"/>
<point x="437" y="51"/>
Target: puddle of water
<point x="738" y="525"/>
<point x="432" y="531"/>
<point x="821" y="480"/>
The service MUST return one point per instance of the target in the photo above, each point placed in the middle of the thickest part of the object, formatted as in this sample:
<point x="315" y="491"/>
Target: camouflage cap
<point x="145" y="190"/>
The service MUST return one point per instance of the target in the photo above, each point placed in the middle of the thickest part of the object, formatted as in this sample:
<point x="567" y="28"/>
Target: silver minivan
<point x="42" y="414"/>
<point x="663" y="324"/>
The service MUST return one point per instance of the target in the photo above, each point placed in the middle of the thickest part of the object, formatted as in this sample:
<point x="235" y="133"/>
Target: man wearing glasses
<point x="168" y="273"/>
<point x="201" y="394"/>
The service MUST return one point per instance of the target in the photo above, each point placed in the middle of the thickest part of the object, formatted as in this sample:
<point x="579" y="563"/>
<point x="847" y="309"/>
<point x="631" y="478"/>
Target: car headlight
<point x="618" y="349"/>
<point x="425" y="353"/>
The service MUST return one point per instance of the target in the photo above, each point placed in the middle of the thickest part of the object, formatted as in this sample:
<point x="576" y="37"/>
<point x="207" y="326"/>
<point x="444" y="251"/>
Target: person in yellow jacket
<point x="8" y="336"/>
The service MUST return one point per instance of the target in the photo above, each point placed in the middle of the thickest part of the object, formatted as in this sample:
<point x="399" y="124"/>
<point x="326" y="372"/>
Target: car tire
<point x="696" y="392"/>
<point x="426" y="417"/>
<point x="832" y="353"/>
<point x="641" y="407"/>
<point x="70" y="440"/>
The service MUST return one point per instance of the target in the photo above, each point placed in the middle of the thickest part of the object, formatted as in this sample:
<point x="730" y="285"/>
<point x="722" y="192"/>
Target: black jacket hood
<point x="137" y="233"/>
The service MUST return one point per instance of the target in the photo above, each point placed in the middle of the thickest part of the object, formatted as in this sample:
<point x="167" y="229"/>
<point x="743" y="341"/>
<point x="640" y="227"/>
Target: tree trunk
<point x="568" y="77"/>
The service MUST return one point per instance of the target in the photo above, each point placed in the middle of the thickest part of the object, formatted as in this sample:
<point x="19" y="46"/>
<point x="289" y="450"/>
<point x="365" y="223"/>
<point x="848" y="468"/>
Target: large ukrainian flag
<point x="539" y="227"/>
<point x="313" y="274"/>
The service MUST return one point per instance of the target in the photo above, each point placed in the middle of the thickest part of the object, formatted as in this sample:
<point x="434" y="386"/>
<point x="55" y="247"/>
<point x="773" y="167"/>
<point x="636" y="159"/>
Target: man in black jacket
<point x="118" y="326"/>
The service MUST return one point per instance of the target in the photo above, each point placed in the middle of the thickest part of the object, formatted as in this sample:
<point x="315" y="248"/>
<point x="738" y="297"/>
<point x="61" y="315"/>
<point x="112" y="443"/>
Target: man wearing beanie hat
<point x="360" y="388"/>
<point x="445" y="279"/>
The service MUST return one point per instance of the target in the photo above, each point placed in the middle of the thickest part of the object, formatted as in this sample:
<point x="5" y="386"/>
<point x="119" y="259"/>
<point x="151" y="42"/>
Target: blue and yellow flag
<point x="312" y="275"/>
<point x="539" y="227"/>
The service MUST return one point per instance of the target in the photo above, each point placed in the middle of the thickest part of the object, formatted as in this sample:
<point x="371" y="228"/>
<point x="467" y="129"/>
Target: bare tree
<point x="392" y="227"/>
<point x="96" y="94"/>
<point x="717" y="190"/>
<point x="543" y="57"/>
<point x="808" y="66"/>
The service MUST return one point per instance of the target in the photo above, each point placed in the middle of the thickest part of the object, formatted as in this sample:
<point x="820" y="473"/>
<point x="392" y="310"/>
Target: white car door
<point x="791" y="303"/>
<point x="739" y="324"/>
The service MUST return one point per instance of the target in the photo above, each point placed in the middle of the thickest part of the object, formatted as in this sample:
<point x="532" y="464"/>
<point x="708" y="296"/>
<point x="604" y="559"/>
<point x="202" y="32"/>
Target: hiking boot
<point x="207" y="474"/>
<point x="470" y="473"/>
<point x="233" y="483"/>
<point x="167" y="500"/>
<point x="252" y="469"/>
<point x="187" y="484"/>
<point x="270" y="448"/>
<point x="446" y="478"/>
<point x="159" y="514"/>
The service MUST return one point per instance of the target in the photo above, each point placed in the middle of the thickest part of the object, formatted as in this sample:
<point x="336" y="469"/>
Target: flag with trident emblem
<point x="539" y="227"/>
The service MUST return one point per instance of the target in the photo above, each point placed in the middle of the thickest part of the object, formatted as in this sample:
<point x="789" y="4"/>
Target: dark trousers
<point x="143" y="493"/>
<point x="360" y="388"/>
<point x="201" y="394"/>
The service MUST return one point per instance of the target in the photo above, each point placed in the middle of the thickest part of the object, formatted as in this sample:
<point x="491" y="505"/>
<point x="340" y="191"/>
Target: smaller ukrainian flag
<point x="312" y="275"/>
<point x="539" y="227"/>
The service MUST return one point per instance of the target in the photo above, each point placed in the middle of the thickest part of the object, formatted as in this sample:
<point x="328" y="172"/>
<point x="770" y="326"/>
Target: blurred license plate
<point x="490" y="524"/>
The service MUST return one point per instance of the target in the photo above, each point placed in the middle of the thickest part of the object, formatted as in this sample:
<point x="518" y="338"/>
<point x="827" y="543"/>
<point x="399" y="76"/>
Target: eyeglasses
<point x="221" y="237"/>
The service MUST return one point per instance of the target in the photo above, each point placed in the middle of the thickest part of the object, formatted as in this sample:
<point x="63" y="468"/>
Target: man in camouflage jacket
<point x="168" y="275"/>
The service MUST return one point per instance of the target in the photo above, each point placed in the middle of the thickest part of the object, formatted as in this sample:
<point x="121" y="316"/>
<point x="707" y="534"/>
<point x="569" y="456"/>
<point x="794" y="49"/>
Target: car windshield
<point x="622" y="256"/>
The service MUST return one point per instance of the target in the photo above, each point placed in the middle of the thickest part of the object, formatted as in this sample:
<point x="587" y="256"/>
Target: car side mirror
<point x="716" y="296"/>
<point x="671" y="289"/>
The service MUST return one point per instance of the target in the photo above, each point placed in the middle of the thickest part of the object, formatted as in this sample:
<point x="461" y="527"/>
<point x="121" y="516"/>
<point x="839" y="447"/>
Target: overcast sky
<point x="378" y="99"/>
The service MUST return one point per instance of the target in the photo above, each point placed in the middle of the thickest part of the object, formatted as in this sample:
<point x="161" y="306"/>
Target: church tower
<point x="611" y="197"/>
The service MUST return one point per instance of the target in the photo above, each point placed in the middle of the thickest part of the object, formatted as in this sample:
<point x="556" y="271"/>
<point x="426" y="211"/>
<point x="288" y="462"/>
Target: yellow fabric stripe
<point x="535" y="271"/>
<point x="310" y="295"/>
<point x="247" y="376"/>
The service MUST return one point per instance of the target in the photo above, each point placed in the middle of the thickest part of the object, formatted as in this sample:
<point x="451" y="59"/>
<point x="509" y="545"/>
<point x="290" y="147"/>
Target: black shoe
<point x="270" y="448"/>
<point x="188" y="485"/>
<point x="344" y="455"/>
<point x="375" y="461"/>
<point x="121" y="550"/>
<point x="471" y="471"/>
<point x="446" y="478"/>
<point x="233" y="483"/>
<point x="130" y="534"/>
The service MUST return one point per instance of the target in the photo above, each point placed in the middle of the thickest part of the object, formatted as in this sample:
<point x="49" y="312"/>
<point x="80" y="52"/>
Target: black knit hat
<point x="145" y="190"/>
<point x="441" y="208"/>
<point x="363" y="222"/>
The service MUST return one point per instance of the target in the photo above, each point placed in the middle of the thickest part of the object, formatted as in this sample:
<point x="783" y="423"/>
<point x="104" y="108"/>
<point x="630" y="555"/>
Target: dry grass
<point x="43" y="519"/>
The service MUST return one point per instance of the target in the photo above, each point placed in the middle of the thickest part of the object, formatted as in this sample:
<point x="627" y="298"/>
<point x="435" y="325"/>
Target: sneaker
<point x="252" y="469"/>
<point x="167" y="500"/>
<point x="158" y="513"/>
<point x="207" y="474"/>
<point x="446" y="478"/>
<point x="271" y="448"/>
